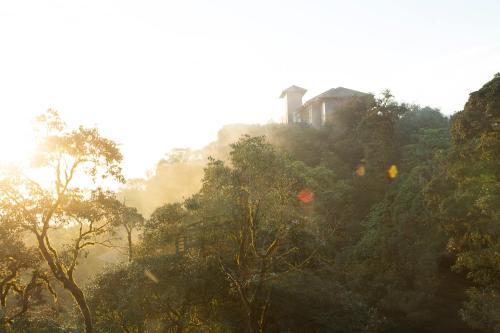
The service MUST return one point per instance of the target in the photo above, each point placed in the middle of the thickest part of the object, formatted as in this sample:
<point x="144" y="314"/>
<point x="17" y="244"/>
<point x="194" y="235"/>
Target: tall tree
<point x="71" y="164"/>
<point x="130" y="220"/>
<point x="253" y="203"/>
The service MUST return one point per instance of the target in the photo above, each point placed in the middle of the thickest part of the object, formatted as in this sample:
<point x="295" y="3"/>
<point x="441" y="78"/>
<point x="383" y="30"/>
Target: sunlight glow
<point x="145" y="74"/>
<point x="17" y="142"/>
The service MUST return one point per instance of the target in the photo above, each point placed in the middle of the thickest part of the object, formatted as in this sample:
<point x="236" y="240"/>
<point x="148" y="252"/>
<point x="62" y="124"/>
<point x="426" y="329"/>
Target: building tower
<point x="293" y="102"/>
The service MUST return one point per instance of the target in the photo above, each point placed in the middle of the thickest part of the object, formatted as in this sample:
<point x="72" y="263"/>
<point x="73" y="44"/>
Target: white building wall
<point x="323" y="113"/>
<point x="293" y="102"/>
<point x="316" y="115"/>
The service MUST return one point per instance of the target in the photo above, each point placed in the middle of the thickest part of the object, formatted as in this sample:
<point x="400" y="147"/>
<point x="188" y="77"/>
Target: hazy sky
<point x="154" y="75"/>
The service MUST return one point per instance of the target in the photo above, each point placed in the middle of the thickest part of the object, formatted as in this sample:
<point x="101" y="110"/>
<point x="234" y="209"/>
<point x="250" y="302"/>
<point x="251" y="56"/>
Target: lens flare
<point x="151" y="276"/>
<point x="392" y="172"/>
<point x="306" y="195"/>
<point x="360" y="170"/>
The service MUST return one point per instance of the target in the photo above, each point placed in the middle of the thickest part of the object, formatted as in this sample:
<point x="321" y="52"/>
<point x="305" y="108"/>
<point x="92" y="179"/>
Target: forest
<point x="384" y="220"/>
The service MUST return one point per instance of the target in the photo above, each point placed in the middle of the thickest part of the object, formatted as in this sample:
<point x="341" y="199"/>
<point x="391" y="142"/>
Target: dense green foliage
<point x="466" y="197"/>
<point x="384" y="220"/>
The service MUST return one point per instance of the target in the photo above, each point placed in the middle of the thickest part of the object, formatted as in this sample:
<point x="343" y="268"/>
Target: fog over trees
<point x="386" y="219"/>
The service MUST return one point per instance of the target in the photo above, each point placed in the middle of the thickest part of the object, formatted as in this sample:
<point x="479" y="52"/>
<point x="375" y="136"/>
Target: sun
<point x="17" y="141"/>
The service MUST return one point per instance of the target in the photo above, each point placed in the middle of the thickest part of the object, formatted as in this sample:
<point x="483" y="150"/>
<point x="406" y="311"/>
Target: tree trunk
<point x="253" y="323"/>
<point x="82" y="304"/>
<point x="67" y="281"/>
<point x="140" y="328"/>
<point x="129" y="237"/>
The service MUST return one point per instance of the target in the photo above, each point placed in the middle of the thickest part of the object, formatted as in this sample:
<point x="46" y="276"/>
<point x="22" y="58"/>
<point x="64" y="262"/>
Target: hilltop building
<point x="317" y="109"/>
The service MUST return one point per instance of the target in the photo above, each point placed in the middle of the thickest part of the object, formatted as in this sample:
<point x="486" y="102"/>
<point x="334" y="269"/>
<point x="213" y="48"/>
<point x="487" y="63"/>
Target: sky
<point x="157" y="75"/>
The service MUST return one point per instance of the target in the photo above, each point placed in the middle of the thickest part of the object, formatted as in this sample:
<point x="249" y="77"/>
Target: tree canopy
<point x="384" y="220"/>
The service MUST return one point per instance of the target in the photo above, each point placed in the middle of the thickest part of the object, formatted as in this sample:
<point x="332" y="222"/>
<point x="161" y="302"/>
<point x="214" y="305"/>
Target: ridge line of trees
<point x="386" y="220"/>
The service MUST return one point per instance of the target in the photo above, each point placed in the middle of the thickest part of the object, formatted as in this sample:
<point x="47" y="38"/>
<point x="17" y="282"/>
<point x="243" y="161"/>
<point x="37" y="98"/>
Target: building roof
<point x="293" y="89"/>
<point x="339" y="92"/>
